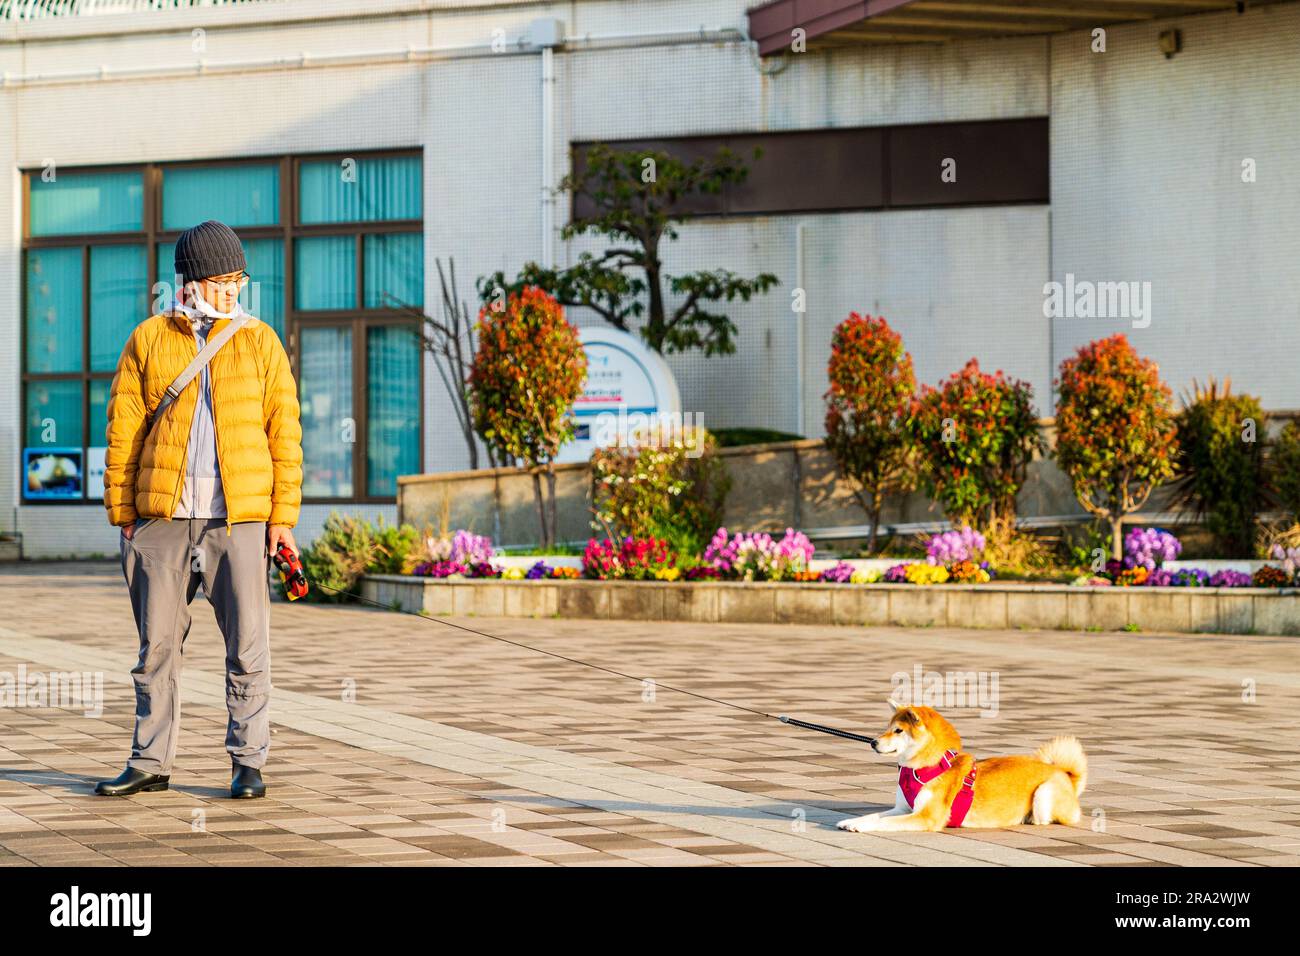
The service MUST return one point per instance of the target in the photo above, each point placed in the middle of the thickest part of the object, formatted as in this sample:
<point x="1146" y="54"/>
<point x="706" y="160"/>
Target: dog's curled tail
<point x="1067" y="753"/>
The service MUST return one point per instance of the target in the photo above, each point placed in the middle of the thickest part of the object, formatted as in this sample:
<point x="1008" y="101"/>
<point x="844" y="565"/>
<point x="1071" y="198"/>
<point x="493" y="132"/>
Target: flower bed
<point x="952" y="558"/>
<point x="998" y="604"/>
<point x="761" y="578"/>
<point x="1150" y="561"/>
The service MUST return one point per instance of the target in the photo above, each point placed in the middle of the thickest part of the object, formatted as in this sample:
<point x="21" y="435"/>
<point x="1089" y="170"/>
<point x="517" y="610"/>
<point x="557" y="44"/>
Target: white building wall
<point x="1145" y="181"/>
<point x="1147" y="185"/>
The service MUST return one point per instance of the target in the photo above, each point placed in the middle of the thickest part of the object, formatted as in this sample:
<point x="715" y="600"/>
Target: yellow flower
<point x="920" y="573"/>
<point x="513" y="574"/>
<point x="667" y="574"/>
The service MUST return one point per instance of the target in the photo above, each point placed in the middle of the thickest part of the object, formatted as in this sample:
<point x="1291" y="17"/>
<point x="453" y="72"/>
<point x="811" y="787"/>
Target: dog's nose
<point x="875" y="745"/>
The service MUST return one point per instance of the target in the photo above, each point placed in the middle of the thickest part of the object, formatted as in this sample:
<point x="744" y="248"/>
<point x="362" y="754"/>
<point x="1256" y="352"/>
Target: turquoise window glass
<point x="394" y="270"/>
<point x="360" y="190"/>
<point x="76" y="203"/>
<point x="328" y="426"/>
<point x="325" y="273"/>
<point x="119" y="300"/>
<point x="99" y="389"/>
<point x="167" y="267"/>
<point x="54" y="320"/>
<point x="392" y="407"/>
<point x="53" y="414"/>
<point x="236" y="195"/>
<point x="264" y="295"/>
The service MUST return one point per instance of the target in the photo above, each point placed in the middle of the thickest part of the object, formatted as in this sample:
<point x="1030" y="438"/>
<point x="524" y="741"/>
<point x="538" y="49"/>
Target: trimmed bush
<point x="527" y="373"/>
<point x="338" y="557"/>
<point x="1116" y="432"/>
<point x="393" y="547"/>
<point x="867" y="407"/>
<point x="1285" y="469"/>
<point x="1221" y="464"/>
<point x="976" y="434"/>
<point x="349" y="546"/>
<point x="739" y="437"/>
<point x="675" y="490"/>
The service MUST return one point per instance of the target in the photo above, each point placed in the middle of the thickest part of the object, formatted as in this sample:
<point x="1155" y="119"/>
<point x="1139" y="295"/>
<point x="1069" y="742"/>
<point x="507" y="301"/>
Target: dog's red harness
<point x="911" y="781"/>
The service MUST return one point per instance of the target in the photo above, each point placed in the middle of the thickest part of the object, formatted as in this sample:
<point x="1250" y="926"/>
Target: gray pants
<point x="164" y="562"/>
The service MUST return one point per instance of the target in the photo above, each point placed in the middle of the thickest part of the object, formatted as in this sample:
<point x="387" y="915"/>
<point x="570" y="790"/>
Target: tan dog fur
<point x="1009" y="791"/>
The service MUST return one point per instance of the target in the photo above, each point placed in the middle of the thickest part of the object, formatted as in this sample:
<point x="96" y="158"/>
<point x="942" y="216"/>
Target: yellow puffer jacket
<point x="254" y="407"/>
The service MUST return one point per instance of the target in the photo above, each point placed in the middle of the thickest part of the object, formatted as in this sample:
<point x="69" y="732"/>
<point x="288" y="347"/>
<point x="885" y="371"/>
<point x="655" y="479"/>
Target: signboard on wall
<point x="52" y="474"/>
<point x="95" y="473"/>
<point x="627" y="384"/>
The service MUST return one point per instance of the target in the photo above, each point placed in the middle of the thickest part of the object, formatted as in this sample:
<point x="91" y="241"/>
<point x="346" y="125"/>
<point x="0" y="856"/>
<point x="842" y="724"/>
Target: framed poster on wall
<point x="53" y="474"/>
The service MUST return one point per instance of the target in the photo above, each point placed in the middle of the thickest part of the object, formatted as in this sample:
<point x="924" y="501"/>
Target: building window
<point x="335" y="248"/>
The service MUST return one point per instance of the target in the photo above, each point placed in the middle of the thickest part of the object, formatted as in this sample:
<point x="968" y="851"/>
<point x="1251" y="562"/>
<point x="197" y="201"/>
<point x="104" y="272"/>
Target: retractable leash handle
<point x="820" y="728"/>
<point x="291" y="571"/>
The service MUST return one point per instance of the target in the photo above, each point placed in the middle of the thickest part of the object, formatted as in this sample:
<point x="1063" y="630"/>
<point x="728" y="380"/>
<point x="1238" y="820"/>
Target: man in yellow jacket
<point x="204" y="492"/>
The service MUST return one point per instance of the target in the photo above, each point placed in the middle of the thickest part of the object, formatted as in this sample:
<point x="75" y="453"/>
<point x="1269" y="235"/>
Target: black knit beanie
<point x="209" y="249"/>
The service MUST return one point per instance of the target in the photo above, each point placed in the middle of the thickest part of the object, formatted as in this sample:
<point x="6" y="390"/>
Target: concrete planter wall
<point x="785" y="484"/>
<point x="1060" y="607"/>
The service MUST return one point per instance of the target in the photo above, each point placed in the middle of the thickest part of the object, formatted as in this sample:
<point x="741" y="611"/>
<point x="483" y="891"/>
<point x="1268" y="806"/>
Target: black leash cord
<point x="608" y="670"/>
<point x="821" y="728"/>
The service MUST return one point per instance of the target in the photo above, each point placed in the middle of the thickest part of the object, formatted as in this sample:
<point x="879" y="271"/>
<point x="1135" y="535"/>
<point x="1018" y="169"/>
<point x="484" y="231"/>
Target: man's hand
<point x="278" y="534"/>
<point x="128" y="530"/>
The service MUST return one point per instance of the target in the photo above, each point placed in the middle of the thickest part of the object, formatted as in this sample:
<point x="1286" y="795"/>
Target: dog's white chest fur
<point x="919" y="801"/>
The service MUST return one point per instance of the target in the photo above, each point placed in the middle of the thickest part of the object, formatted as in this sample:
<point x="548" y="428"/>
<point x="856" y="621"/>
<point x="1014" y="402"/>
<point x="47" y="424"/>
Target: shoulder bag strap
<point x="196" y="366"/>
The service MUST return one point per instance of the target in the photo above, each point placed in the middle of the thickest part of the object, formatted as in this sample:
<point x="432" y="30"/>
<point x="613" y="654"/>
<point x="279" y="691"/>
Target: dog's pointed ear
<point x="894" y="706"/>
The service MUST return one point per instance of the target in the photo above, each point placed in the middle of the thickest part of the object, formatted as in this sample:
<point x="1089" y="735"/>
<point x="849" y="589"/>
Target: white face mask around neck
<point x="199" y="304"/>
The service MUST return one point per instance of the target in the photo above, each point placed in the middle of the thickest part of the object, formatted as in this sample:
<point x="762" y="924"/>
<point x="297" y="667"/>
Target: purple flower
<point x="897" y="574"/>
<point x="1230" y="579"/>
<point x="538" y="570"/>
<point x="758" y="556"/>
<point x="840" y="574"/>
<point x="1290" y="559"/>
<point x="953" y="546"/>
<point x="471" y="549"/>
<point x="1149" y="548"/>
<point x="464" y="547"/>
<point x="1182" y="578"/>
<point x="483" y="569"/>
<point x="441" y="569"/>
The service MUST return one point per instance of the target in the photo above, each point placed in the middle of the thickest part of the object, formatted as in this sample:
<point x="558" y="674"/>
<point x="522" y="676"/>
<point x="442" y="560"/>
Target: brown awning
<point x="852" y="22"/>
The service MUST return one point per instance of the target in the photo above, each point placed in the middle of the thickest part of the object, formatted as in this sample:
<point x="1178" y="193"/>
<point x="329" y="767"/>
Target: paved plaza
<point x="400" y="741"/>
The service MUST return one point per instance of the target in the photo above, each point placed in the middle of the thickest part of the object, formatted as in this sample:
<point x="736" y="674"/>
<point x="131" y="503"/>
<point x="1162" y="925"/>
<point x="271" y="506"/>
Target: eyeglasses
<point x="235" y="283"/>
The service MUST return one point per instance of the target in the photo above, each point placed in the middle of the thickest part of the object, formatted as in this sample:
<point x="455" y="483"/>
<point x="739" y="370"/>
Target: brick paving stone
<point x="398" y="741"/>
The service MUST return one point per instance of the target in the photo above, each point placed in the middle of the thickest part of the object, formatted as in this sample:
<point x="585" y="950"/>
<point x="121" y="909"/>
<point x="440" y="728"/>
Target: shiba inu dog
<point x="939" y="786"/>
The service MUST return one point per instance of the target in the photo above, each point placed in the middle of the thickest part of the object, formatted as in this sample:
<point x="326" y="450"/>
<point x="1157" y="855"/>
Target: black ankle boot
<point x="247" y="783"/>
<point x="132" y="781"/>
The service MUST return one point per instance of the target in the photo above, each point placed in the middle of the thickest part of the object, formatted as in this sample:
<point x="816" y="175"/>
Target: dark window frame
<point x="288" y="230"/>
